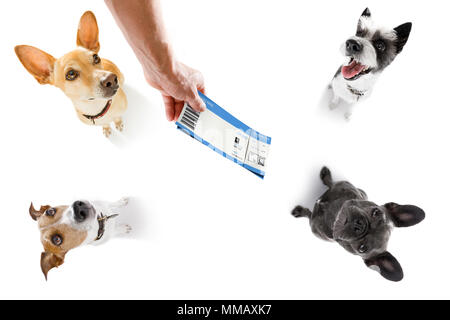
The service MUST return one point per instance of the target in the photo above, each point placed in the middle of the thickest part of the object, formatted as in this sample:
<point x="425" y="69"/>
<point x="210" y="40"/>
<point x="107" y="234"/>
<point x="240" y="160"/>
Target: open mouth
<point x="353" y="70"/>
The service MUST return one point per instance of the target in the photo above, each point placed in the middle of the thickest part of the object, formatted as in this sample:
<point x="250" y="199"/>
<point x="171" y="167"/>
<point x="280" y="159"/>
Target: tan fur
<point x="48" y="70"/>
<point x="35" y="214"/>
<point x="72" y="238"/>
<point x="53" y="256"/>
<point x="87" y="35"/>
<point x="39" y="63"/>
<point x="50" y="261"/>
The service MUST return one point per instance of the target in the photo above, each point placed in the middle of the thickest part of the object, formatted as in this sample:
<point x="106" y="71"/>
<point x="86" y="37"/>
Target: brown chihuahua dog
<point x="93" y="84"/>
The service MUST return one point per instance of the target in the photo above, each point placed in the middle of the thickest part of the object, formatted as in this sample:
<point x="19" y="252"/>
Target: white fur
<point x="341" y="95"/>
<point x="368" y="24"/>
<point x="113" y="227"/>
<point x="341" y="92"/>
<point x="368" y="57"/>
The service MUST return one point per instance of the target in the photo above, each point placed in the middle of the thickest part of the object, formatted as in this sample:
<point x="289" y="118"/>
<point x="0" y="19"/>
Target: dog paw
<point x="333" y="105"/>
<point x="300" y="212"/>
<point x="348" y="116"/>
<point x="123" y="202"/>
<point x="325" y="174"/>
<point x="119" y="125"/>
<point x="107" y="131"/>
<point x="125" y="229"/>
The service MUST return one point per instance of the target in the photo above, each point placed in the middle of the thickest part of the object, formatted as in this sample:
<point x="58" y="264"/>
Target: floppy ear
<point x="87" y="36"/>
<point x="36" y="214"/>
<point x="404" y="216"/>
<point x="49" y="261"/>
<point x="39" y="63"/>
<point x="366" y="13"/>
<point x="403" y="32"/>
<point x="386" y="265"/>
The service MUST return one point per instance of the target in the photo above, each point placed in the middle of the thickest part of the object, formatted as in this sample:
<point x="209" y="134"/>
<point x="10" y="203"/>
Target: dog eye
<point x="362" y="248"/>
<point x="72" y="75"/>
<point x="50" y="212"/>
<point x="376" y="213"/>
<point x="96" y="58"/>
<point x="57" y="240"/>
<point x="380" y="45"/>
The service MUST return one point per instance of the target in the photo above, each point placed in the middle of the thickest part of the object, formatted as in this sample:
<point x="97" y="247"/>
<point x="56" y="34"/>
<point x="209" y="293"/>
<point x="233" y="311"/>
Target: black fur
<point x="403" y="32"/>
<point x="366" y="13"/>
<point x="360" y="32"/>
<point x="343" y="214"/>
<point x="300" y="212"/>
<point x="386" y="56"/>
<point x="388" y="266"/>
<point x="405" y="216"/>
<point x="325" y="176"/>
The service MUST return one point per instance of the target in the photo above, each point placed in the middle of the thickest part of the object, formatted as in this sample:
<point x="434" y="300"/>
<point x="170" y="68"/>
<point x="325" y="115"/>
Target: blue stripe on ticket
<point x="228" y="136"/>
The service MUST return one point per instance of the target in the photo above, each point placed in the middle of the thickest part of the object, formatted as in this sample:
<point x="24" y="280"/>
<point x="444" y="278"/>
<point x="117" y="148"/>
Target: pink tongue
<point x="352" y="70"/>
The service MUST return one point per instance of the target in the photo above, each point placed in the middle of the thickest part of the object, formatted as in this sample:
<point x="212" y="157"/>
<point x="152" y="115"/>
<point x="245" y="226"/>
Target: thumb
<point x="197" y="103"/>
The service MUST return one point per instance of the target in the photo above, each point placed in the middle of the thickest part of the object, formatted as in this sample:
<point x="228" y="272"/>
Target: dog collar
<point x="101" y="224"/>
<point x="356" y="92"/>
<point x="99" y="115"/>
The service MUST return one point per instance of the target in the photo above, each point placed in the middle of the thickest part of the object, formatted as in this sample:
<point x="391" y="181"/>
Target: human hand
<point x="177" y="85"/>
<point x="141" y="23"/>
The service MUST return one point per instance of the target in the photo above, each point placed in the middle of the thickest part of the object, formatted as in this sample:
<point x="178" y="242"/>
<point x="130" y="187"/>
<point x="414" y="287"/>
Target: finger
<point x="200" y="83"/>
<point x="201" y="88"/>
<point x="179" y="105"/>
<point x="169" y="104"/>
<point x="197" y="103"/>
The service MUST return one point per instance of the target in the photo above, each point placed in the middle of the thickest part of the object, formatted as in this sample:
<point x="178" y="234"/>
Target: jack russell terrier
<point x="67" y="227"/>
<point x="344" y="214"/>
<point x="94" y="85"/>
<point x="368" y="53"/>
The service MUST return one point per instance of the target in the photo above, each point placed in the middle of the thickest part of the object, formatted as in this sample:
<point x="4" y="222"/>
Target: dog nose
<point x="110" y="81"/>
<point x="359" y="226"/>
<point x="353" y="46"/>
<point x="80" y="211"/>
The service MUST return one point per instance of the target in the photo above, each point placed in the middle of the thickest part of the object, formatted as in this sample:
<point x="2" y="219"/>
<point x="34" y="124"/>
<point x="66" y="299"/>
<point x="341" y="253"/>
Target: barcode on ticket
<point x="190" y="117"/>
<point x="226" y="135"/>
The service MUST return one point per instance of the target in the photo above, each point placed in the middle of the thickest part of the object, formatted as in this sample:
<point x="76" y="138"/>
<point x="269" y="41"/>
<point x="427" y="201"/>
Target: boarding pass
<point x="226" y="135"/>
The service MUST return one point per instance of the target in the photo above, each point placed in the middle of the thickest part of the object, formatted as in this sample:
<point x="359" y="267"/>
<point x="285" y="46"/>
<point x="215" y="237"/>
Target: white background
<point x="206" y="228"/>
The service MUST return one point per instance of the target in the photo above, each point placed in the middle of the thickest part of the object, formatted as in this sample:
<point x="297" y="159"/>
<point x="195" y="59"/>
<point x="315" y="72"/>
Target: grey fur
<point x="345" y="215"/>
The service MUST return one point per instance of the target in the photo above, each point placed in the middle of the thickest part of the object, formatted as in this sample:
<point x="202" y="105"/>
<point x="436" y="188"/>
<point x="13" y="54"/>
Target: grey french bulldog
<point x="343" y="214"/>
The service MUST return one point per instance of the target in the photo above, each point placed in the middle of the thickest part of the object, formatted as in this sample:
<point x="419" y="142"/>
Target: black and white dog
<point x="369" y="52"/>
<point x="343" y="214"/>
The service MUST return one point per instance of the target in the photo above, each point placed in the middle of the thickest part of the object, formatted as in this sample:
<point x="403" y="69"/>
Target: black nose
<point x="110" y="81"/>
<point x="80" y="211"/>
<point x="359" y="226"/>
<point x="353" y="46"/>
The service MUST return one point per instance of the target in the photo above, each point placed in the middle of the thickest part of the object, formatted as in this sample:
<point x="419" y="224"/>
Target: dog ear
<point x="39" y="63"/>
<point x="87" y="36"/>
<point x="386" y="265"/>
<point x="402" y="32"/>
<point x="366" y="13"/>
<point x="36" y="214"/>
<point x="404" y="216"/>
<point x="49" y="261"/>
